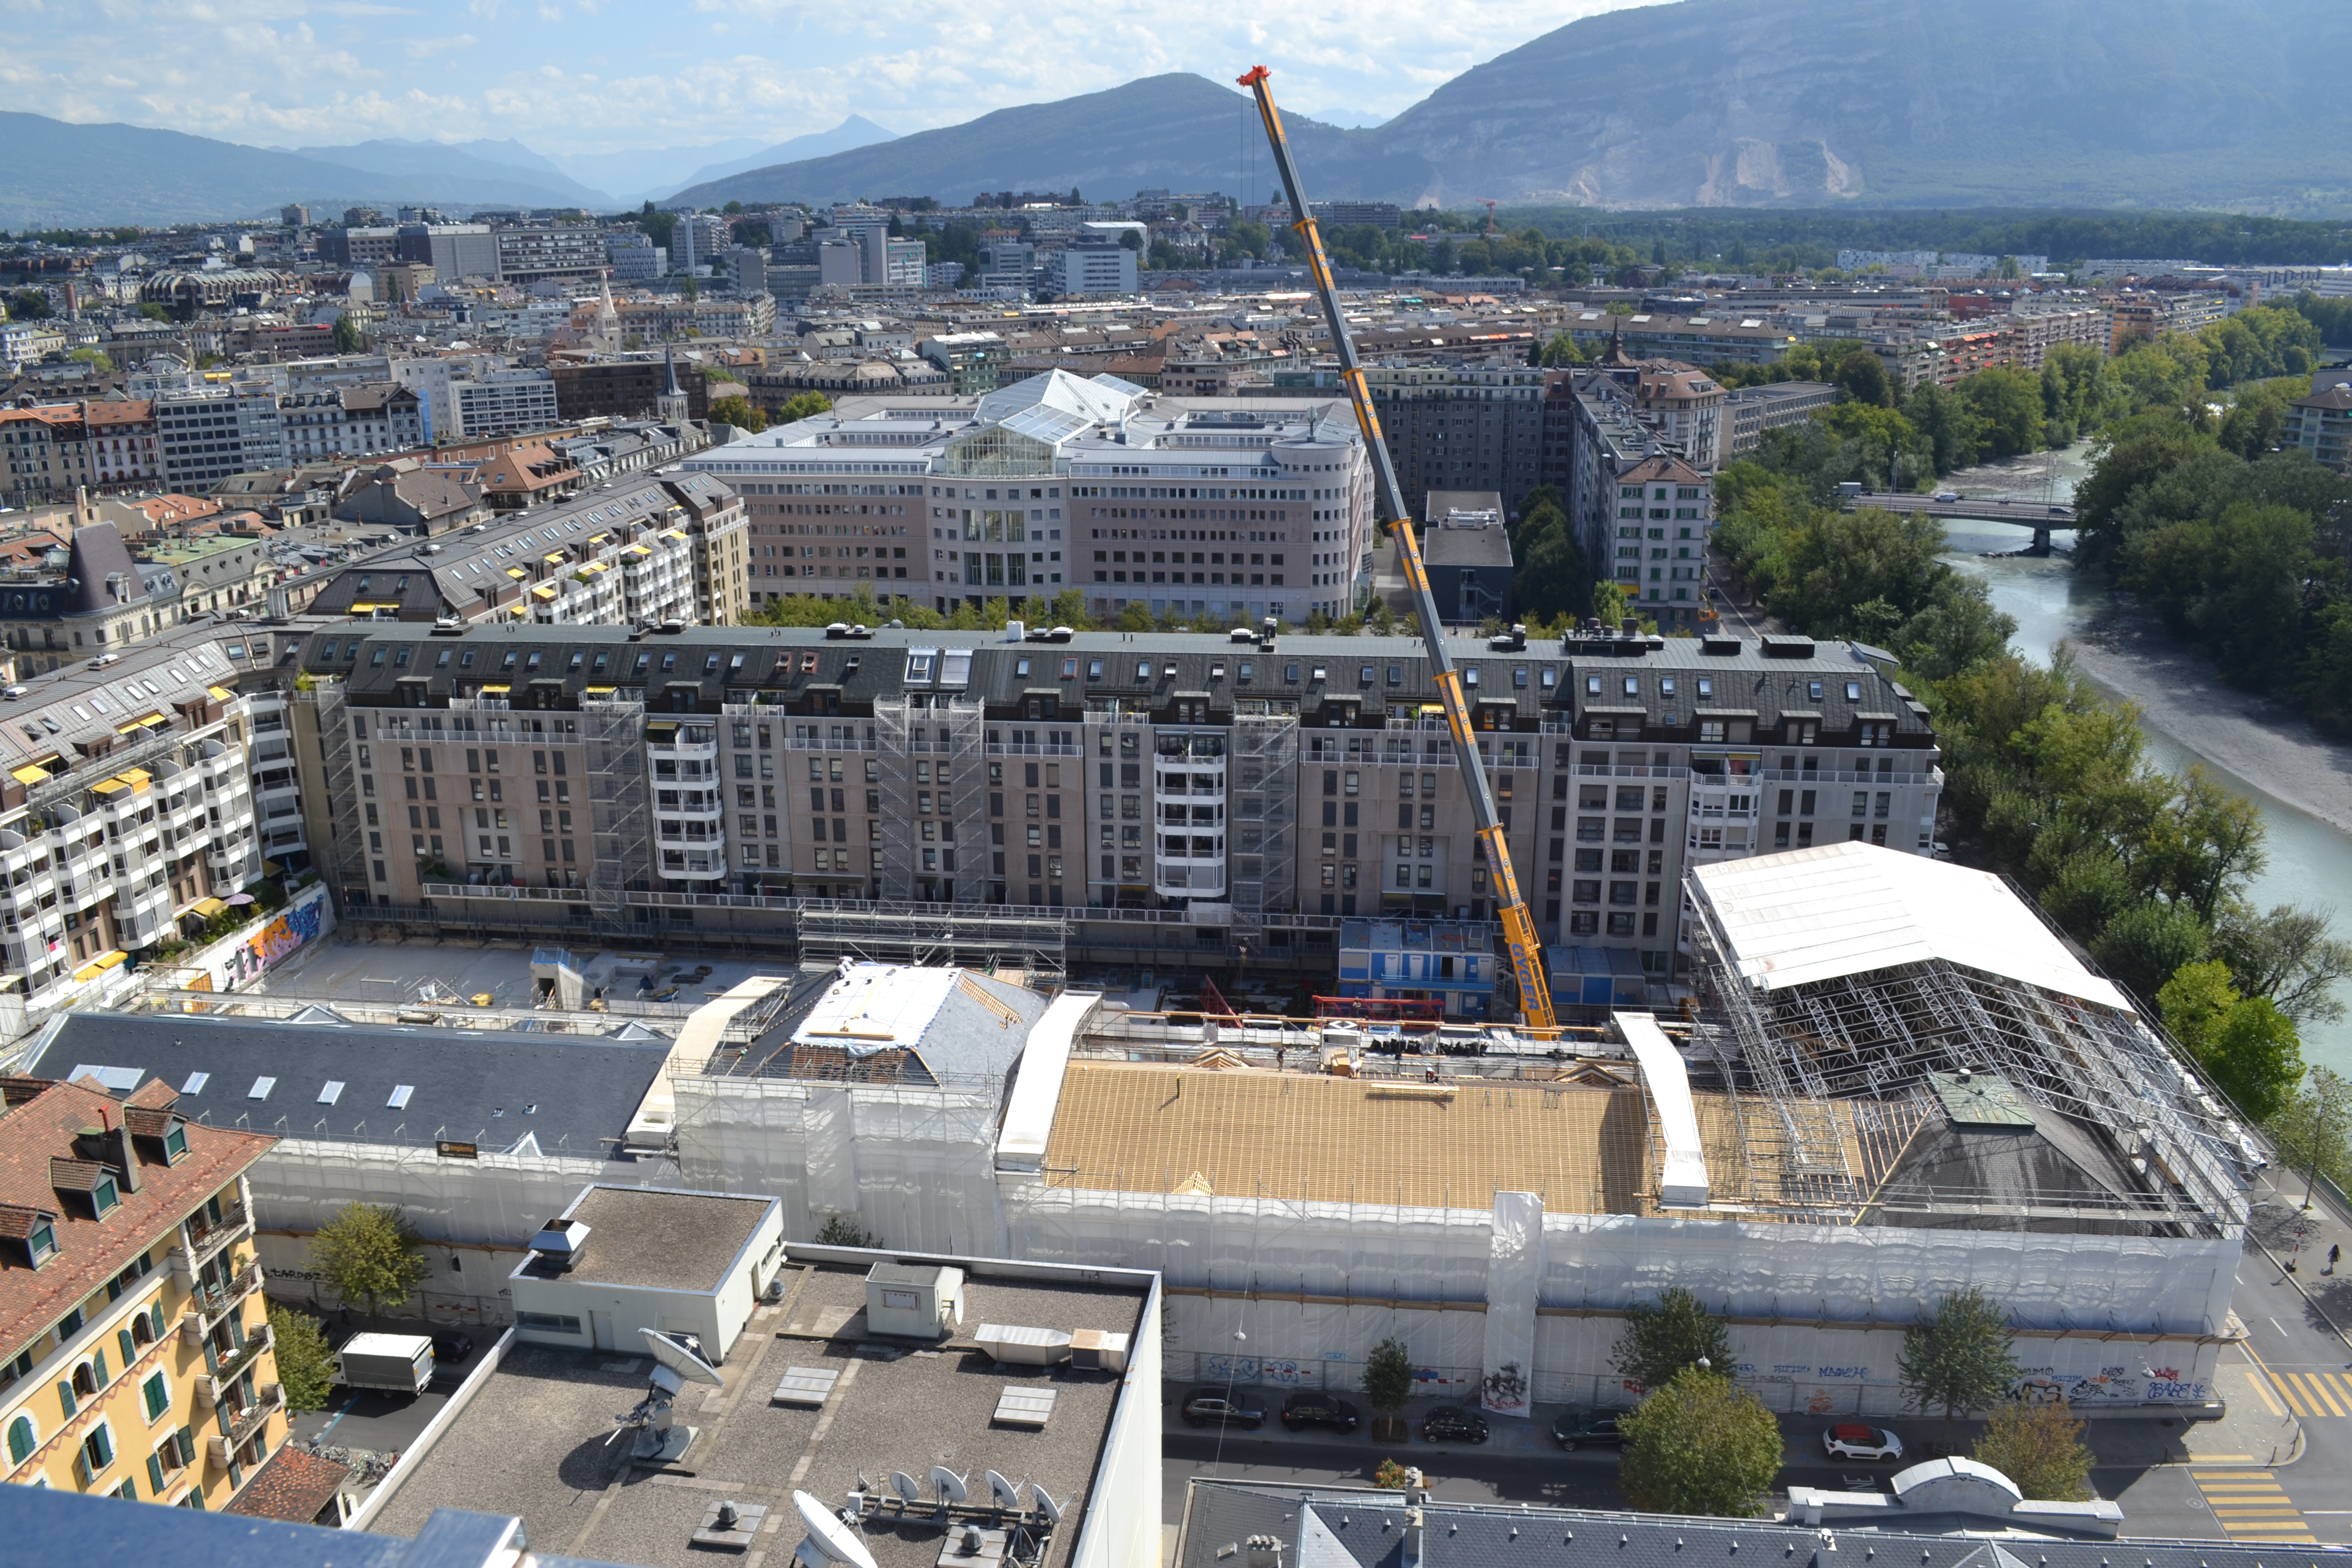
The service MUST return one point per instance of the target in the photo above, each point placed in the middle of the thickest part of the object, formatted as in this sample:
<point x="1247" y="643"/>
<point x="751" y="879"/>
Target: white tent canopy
<point x="1851" y="909"/>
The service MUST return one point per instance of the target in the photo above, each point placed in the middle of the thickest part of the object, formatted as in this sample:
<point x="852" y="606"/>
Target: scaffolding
<point x="980" y="937"/>
<point x="1833" y="1080"/>
<point x="349" y="854"/>
<point x="1264" y="803"/>
<point x="612" y="734"/>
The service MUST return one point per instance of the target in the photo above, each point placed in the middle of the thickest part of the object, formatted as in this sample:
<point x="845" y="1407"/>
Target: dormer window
<point x="103" y="1197"/>
<point x="42" y="1243"/>
<point x="175" y="1143"/>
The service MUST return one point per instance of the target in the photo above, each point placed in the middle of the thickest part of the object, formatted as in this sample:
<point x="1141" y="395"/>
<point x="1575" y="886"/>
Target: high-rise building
<point x="697" y="241"/>
<point x="209" y="431"/>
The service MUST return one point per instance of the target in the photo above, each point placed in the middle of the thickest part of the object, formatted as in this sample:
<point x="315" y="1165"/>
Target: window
<point x="157" y="1392"/>
<point x="1593" y="685"/>
<point x="548" y="1322"/>
<point x="103" y="1196"/>
<point x="22" y="1439"/>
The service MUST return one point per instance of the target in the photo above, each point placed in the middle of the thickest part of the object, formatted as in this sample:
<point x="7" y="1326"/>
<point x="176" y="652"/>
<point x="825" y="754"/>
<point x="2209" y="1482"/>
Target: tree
<point x="2315" y="1127"/>
<point x="348" y="338"/>
<point x="2146" y="943"/>
<point x="2286" y="956"/>
<point x="1660" y="1339"/>
<point x="2255" y="1057"/>
<point x="804" y="405"/>
<point x="1959" y="1356"/>
<point x="306" y="1368"/>
<point x="95" y="358"/>
<point x="2038" y="1446"/>
<point x="740" y="413"/>
<point x="369" y="1253"/>
<point x="1387" y="1377"/>
<point x="1862" y="376"/>
<point x="2006" y="406"/>
<point x="1699" y="1445"/>
<point x="30" y="305"/>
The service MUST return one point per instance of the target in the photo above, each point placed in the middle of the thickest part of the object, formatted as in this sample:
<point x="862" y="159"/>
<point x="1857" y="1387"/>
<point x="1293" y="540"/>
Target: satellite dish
<point x="948" y="1484"/>
<point x="834" y="1542"/>
<point x="673" y="1352"/>
<point x="905" y="1486"/>
<point x="1006" y="1493"/>
<point x="1048" y="1506"/>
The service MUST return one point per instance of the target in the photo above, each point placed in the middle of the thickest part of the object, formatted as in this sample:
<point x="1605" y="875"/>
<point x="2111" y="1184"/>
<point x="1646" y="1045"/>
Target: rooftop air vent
<point x="560" y="1242"/>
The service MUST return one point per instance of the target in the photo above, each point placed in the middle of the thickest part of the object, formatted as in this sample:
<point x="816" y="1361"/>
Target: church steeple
<point x="673" y="406"/>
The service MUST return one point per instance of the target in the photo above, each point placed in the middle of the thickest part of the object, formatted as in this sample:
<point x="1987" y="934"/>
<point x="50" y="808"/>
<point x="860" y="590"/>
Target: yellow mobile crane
<point x="1519" y="926"/>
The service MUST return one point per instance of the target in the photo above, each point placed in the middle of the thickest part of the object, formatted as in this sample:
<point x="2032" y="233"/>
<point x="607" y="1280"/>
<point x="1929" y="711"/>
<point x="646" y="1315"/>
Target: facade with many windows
<point x="1657" y="554"/>
<point x="136" y="1359"/>
<point x="1255" y="790"/>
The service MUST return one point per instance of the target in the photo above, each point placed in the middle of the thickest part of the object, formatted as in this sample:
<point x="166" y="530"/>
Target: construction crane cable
<point x="1519" y="926"/>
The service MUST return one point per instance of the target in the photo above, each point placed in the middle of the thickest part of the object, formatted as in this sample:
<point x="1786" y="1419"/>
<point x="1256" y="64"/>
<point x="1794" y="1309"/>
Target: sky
<point x="586" y="76"/>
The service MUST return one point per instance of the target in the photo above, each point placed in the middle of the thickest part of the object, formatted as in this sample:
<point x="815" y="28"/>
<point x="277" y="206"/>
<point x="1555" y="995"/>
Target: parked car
<point x="450" y="1348"/>
<point x="1213" y="1406"/>
<point x="1454" y="1423"/>
<point x="1305" y="1409"/>
<point x="1591" y="1428"/>
<point x="1850" y="1441"/>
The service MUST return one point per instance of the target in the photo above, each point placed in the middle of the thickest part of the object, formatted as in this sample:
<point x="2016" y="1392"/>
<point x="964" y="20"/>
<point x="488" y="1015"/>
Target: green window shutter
<point x="66" y="1397"/>
<point x="187" y="1440"/>
<point x="130" y="1346"/>
<point x="157" y="1317"/>
<point x="155" y="1474"/>
<point x="159" y="1395"/>
<point x="97" y="1367"/>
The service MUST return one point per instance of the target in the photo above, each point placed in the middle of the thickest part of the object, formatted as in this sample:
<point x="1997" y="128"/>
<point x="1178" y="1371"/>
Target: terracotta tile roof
<point x="38" y="1133"/>
<point x="293" y="1485"/>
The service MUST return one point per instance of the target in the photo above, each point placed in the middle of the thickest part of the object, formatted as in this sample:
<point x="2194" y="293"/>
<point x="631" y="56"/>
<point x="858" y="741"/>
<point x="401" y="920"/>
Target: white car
<point x="1948" y="495"/>
<point x="1858" y="1442"/>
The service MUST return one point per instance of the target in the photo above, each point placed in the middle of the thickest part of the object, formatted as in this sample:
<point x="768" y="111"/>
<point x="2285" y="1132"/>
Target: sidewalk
<point x="2290" y="1234"/>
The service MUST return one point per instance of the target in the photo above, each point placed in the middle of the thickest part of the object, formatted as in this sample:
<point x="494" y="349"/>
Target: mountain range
<point x="2229" y="104"/>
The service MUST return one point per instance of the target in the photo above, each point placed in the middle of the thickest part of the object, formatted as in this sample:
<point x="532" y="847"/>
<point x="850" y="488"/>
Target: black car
<point x="1589" y="1428"/>
<point x="1305" y="1409"/>
<point x="1454" y="1423"/>
<point x="451" y="1350"/>
<point x="1208" y="1407"/>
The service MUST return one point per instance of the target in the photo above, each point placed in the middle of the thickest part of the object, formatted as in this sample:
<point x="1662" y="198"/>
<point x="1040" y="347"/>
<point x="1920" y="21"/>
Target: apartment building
<point x="624" y="554"/>
<point x="209" y="430"/>
<point x="138" y="1361"/>
<point x="629" y="388"/>
<point x="2321" y="424"/>
<point x="1665" y="521"/>
<point x="1461" y="427"/>
<point x="529" y="254"/>
<point x="1094" y="268"/>
<point x="352" y="421"/>
<point x="1270" y="499"/>
<point x="1251" y="789"/>
<point x="499" y="402"/>
<point x="127" y="802"/>
<point x="1685" y="405"/>
<point x="1752" y="410"/>
<point x="48" y="451"/>
<point x="105" y="601"/>
<point x="123" y="449"/>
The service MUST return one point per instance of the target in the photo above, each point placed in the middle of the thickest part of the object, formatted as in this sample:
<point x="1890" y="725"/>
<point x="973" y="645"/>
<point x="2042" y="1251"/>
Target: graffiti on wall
<point x="299" y="923"/>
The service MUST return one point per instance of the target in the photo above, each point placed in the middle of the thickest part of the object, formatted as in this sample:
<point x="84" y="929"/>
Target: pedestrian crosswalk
<point x="2250" y="1505"/>
<point x="2314" y="1393"/>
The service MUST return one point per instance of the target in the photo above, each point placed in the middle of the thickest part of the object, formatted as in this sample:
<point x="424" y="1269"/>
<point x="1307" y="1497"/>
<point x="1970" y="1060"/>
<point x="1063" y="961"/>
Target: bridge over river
<point x="2038" y="518"/>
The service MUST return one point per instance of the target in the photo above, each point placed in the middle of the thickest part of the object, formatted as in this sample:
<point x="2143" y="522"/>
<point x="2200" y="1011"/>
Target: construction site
<point x="1890" y="1082"/>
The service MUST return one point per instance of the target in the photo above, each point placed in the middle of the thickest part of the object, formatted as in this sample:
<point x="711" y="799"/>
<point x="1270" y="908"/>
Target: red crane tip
<point x="1255" y="75"/>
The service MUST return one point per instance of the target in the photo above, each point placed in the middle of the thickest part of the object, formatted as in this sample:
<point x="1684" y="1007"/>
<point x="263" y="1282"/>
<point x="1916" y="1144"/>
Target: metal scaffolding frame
<point x="979" y="936"/>
<point x="1262" y="797"/>
<point x="945" y="735"/>
<point x="1867" y="1044"/>
<point x="612" y="734"/>
<point x="330" y="713"/>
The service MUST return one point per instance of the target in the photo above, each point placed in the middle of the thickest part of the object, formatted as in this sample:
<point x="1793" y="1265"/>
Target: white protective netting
<point x="497" y="1199"/>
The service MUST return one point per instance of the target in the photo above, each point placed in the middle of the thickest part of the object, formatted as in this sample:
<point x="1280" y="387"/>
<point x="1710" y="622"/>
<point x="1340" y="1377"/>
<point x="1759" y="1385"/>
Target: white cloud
<point x="554" y="74"/>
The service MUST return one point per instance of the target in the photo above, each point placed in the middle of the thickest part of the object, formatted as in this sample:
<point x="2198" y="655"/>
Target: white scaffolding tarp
<point x="1513" y="1269"/>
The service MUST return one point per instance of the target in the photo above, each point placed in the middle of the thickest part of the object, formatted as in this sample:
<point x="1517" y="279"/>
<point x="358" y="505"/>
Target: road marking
<point x="2280" y="1327"/>
<point x="2252" y="1506"/>
<point x="2259" y="1375"/>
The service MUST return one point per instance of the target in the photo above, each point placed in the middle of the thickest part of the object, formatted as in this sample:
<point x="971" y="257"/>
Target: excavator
<point x="1519" y="926"/>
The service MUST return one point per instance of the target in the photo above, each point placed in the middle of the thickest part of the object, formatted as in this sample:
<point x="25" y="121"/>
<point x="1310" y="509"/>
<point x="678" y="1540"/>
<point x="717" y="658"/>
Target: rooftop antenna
<point x="829" y="1541"/>
<point x="948" y="1488"/>
<point x="1048" y="1506"/>
<point x="1006" y="1494"/>
<point x="910" y="1490"/>
<point x="678" y="1363"/>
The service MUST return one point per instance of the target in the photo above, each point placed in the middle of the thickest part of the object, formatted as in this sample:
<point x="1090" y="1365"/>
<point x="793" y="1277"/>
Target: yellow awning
<point x="556" y="555"/>
<point x="207" y="906"/>
<point x="109" y="960"/>
<point x="501" y="686"/>
<point x="598" y="538"/>
<point x="520" y="609"/>
<point x="88" y="971"/>
<point x="111" y="786"/>
<point x="545" y="591"/>
<point x="516" y="572"/>
<point x="221" y="694"/>
<point x="363" y="609"/>
<point x="672" y="533"/>
<point x="600" y="690"/>
<point x="137" y="778"/>
<point x="638" y="549"/>
<point x="30" y="776"/>
<point x="596" y="566"/>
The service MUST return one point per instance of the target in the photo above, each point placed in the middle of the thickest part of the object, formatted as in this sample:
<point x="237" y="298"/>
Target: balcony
<point x="210" y="1303"/>
<point x="202" y="1238"/>
<point x="243" y="1424"/>
<point x="257" y="1341"/>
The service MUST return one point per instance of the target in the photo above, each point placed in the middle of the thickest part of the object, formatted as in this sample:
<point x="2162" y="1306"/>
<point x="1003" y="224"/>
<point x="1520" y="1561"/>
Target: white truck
<point x="396" y="1363"/>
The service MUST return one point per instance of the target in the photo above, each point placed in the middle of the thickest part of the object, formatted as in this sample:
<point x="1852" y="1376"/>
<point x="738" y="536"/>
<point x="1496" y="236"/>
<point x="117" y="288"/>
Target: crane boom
<point x="1519" y="926"/>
